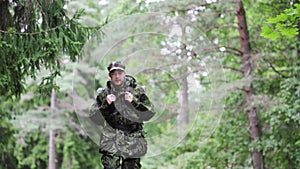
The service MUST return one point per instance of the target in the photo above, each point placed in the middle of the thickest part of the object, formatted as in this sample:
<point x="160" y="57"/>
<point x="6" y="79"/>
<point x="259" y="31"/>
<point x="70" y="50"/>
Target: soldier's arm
<point x="95" y="115"/>
<point x="100" y="108"/>
<point x="142" y="105"/>
<point x="104" y="107"/>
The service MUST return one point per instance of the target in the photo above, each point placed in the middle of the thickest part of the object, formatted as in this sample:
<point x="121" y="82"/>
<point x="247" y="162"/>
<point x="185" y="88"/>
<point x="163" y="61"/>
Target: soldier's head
<point x="117" y="73"/>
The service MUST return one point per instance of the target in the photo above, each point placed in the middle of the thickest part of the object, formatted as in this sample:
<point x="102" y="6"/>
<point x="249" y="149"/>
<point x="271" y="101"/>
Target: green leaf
<point x="280" y="26"/>
<point x="290" y="11"/>
<point x="268" y="32"/>
<point x="297" y="10"/>
<point x="278" y="18"/>
<point x="297" y="143"/>
<point x="290" y="33"/>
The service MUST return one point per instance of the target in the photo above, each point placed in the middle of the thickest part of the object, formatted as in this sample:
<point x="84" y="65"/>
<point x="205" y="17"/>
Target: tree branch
<point x="232" y="68"/>
<point x="192" y="4"/>
<point x="276" y="71"/>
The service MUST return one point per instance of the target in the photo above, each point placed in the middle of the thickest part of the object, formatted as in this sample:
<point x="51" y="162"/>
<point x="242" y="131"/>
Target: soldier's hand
<point x="128" y="96"/>
<point x="110" y="98"/>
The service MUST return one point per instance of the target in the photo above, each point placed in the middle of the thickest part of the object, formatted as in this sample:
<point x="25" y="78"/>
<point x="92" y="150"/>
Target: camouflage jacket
<point x="121" y="114"/>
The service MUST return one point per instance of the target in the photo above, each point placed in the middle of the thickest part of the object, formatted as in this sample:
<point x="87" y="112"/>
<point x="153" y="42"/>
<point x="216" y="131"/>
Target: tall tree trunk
<point x="5" y="16"/>
<point x="183" y="116"/>
<point x="254" y="123"/>
<point x="183" y="97"/>
<point x="52" y="133"/>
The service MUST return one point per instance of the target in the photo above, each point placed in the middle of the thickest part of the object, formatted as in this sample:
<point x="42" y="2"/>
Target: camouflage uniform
<point x="123" y="140"/>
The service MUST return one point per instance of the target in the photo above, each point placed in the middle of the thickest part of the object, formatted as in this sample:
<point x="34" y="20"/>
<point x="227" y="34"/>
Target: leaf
<point x="280" y="26"/>
<point x="297" y="143"/>
<point x="268" y="32"/>
<point x="278" y="18"/>
<point x="290" y="33"/>
<point x="290" y="12"/>
<point x="297" y="10"/>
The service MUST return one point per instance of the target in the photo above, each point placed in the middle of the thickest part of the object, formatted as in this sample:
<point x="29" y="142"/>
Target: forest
<point x="223" y="77"/>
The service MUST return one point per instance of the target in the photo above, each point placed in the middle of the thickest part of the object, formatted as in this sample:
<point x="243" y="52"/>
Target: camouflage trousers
<point x="122" y="144"/>
<point x="114" y="162"/>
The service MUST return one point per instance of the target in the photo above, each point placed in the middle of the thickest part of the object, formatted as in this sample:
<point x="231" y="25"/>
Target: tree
<point x="247" y="68"/>
<point x="232" y="146"/>
<point x="51" y="129"/>
<point x="257" y="81"/>
<point x="37" y="35"/>
<point x="52" y="132"/>
<point x="283" y="29"/>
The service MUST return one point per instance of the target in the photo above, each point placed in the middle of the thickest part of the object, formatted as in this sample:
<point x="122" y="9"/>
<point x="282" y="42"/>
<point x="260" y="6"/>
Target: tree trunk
<point x="5" y="16"/>
<point x="183" y="115"/>
<point x="254" y="123"/>
<point x="52" y="133"/>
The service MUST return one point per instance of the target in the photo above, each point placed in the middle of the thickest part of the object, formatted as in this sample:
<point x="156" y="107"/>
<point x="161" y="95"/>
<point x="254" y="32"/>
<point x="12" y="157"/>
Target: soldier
<point x="121" y="108"/>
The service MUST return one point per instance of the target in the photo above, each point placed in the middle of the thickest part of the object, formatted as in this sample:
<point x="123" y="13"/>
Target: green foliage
<point x="227" y="147"/>
<point x="44" y="40"/>
<point x="281" y="141"/>
<point x="230" y="145"/>
<point x="30" y="47"/>
<point x="7" y="141"/>
<point x="284" y="24"/>
<point x="32" y="150"/>
<point x="72" y="151"/>
<point x="57" y="37"/>
<point x="268" y="32"/>
<point x="73" y="148"/>
<point x="78" y="151"/>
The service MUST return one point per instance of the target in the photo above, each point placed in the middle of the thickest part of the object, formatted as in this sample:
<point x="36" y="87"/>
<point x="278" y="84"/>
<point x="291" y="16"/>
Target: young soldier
<point x="121" y="108"/>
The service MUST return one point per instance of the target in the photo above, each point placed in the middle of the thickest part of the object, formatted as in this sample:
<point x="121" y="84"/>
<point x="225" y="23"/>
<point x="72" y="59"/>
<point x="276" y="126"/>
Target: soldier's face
<point x="117" y="77"/>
